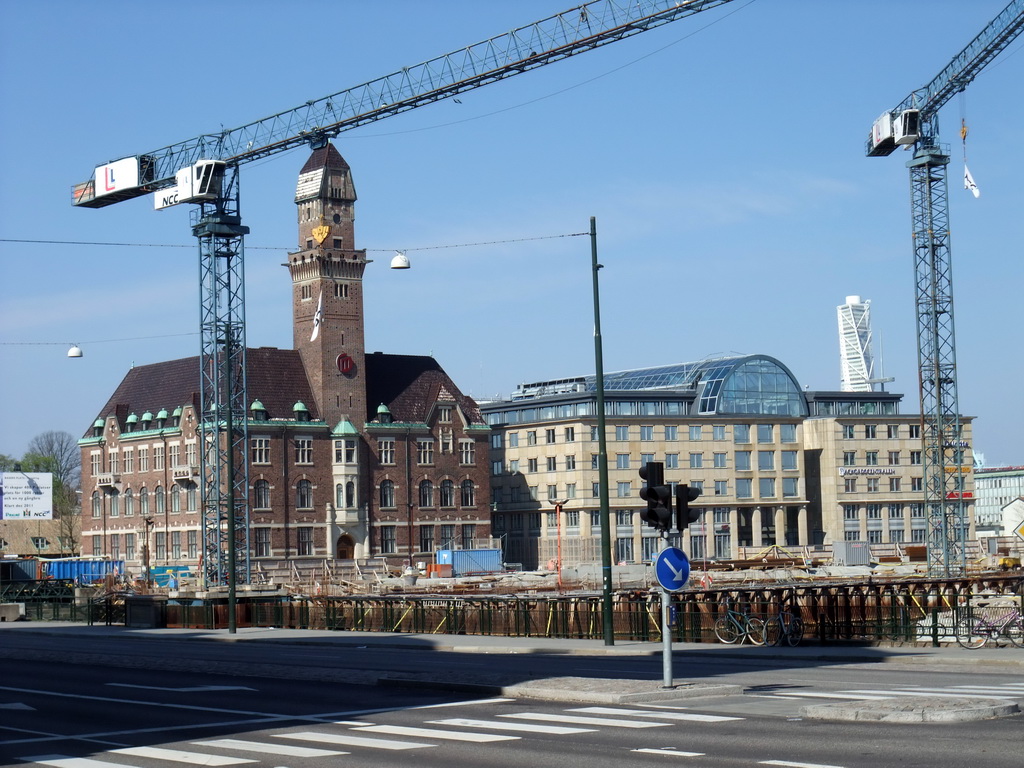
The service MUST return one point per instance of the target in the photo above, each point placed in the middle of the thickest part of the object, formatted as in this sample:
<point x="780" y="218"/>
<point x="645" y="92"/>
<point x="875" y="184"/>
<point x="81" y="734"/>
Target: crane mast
<point x="204" y="170"/>
<point x="914" y="122"/>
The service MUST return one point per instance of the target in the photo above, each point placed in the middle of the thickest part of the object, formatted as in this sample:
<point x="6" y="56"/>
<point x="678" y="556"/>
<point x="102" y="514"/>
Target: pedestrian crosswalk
<point x="350" y="738"/>
<point x="1007" y="691"/>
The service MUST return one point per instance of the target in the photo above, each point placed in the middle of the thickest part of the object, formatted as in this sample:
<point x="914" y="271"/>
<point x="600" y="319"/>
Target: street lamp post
<point x="608" y="626"/>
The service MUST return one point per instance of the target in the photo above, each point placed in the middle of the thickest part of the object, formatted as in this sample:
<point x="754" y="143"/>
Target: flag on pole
<point x="969" y="182"/>
<point x="318" y="317"/>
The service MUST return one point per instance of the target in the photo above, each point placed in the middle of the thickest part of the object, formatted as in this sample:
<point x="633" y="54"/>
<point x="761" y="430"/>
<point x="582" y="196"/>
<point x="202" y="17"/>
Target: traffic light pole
<point x="667" y="677"/>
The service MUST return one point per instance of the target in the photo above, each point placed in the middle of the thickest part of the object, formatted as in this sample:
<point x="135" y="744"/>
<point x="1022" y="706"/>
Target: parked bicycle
<point x="977" y="628"/>
<point x="738" y="627"/>
<point x="784" y="628"/>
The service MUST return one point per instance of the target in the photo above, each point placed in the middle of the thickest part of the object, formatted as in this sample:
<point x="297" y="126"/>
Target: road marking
<point x="668" y="751"/>
<point x="435" y="733"/>
<point x="350" y="740"/>
<point x="268" y="748"/>
<point x="815" y="695"/>
<point x="970" y="690"/>
<point x="564" y="718"/>
<point x="196" y="689"/>
<point x="62" y="761"/>
<point x="181" y="756"/>
<point x="789" y="764"/>
<point x="667" y="715"/>
<point x="933" y="694"/>
<point x="495" y="725"/>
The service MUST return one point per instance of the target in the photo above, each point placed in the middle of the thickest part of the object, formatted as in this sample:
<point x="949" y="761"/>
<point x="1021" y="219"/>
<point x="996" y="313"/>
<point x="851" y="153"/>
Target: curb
<point x="913" y="710"/>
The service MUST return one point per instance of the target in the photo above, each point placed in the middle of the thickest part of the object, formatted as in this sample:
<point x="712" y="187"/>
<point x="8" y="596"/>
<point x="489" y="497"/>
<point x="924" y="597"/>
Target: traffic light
<point x="684" y="515"/>
<point x="657" y="495"/>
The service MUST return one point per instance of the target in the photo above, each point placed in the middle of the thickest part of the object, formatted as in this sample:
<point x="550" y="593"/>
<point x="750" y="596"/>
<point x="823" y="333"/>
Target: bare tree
<point x="63" y="449"/>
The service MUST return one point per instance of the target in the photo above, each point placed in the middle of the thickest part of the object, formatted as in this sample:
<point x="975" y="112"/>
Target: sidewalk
<point x="600" y="690"/>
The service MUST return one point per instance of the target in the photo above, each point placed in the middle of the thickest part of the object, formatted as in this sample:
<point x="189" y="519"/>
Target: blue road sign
<point x="672" y="569"/>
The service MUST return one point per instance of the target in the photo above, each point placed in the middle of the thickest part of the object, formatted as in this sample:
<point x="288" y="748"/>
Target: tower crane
<point x="204" y="171"/>
<point x="914" y="123"/>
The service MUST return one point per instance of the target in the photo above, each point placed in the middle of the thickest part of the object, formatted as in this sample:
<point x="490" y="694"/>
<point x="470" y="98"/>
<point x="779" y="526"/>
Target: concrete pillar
<point x="803" y="532"/>
<point x="780" y="526"/>
<point x="734" y="532"/>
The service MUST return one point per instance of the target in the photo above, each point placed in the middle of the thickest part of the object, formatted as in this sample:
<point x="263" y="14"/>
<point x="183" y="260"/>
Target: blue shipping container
<point x="82" y="571"/>
<point x="470" y="562"/>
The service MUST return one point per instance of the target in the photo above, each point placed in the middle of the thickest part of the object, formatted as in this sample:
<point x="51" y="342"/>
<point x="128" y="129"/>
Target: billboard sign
<point x="117" y="176"/>
<point x="26" y="496"/>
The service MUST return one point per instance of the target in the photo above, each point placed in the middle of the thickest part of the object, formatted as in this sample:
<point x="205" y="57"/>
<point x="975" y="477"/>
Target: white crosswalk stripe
<point x="268" y="748"/>
<point x="688" y="716"/>
<point x="63" y="761"/>
<point x="668" y="751"/>
<point x="581" y="720"/>
<point x="823" y="695"/>
<point x="434" y="733"/>
<point x="1009" y="691"/>
<point x="498" y="726"/>
<point x="351" y="740"/>
<point x="181" y="756"/>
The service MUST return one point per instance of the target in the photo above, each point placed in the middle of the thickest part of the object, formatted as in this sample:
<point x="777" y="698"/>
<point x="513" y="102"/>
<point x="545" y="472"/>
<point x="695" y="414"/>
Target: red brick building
<point x="350" y="455"/>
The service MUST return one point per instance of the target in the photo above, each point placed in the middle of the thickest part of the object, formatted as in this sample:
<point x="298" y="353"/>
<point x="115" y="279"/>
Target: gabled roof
<point x="409" y="385"/>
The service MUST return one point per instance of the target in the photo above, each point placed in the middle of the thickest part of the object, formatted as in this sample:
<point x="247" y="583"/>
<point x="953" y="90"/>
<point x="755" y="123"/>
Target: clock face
<point x="346" y="365"/>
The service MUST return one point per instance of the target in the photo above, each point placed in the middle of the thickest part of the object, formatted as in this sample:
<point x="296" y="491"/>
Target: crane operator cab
<point x="890" y="131"/>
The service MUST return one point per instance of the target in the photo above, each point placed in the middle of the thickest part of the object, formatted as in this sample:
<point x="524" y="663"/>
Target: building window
<point x="260" y="450"/>
<point x="622" y="461"/>
<point x="552" y="464"/>
<point x="742" y="461"/>
<point x="467" y="453"/>
<point x="790" y="487"/>
<point x="872" y="484"/>
<point x="741" y="433"/>
<point x="531" y="465"/>
<point x="623" y="490"/>
<point x="696" y="432"/>
<point x="424" y="451"/>
<point x="386" y="451"/>
<point x="570" y="462"/>
<point x="893" y="431"/>
<point x="917" y="510"/>
<point x="176" y="545"/>
<point x="917" y="483"/>
<point x="915" y="458"/>
<point x="646" y="433"/>
<point x="97" y="545"/>
<point x="719" y="460"/>
<point x="766" y="460"/>
<point x="496" y="468"/>
<point x="871" y="458"/>
<point x="850" y="485"/>
<point x="261" y="537"/>
<point x="387" y="494"/>
<point x="129" y="546"/>
<point x="895" y="511"/>
<point x="848" y="432"/>
<point x="305" y="541"/>
<point x="894" y="458"/>
<point x="570" y="491"/>
<point x="193" y="545"/>
<point x="160" y="539"/>
<point x="570" y="434"/>
<point x="129" y="461"/>
<point x="144" y="502"/>
<point x="97" y="504"/>
<point x="874" y="511"/>
<point x="467" y="495"/>
<point x="671" y="461"/>
<point x="175" y="499"/>
<point x="129" y="503"/>
<point x="447" y="493"/>
<point x="870" y="431"/>
<point x="95" y="463"/>
<point x="851" y="512"/>
<point x="303" y="450"/>
<point x="497" y="441"/>
<point x="622" y="433"/>
<point x="696" y="460"/>
<point x="549" y="436"/>
<point x="159" y="500"/>
<point x="444" y="414"/>
<point x="531" y="437"/>
<point x="718" y="432"/>
<point x="721" y="487"/>
<point x="849" y="458"/>
<point x="426" y="494"/>
<point x="744" y="488"/>
<point x="671" y="432"/>
<point x="766" y="487"/>
<point x="468" y="535"/>
<point x="915" y="431"/>
<point x="765" y="433"/>
<point x="426" y="538"/>
<point x="513" y="439"/>
<point x="789" y="460"/>
<point x="174" y="455"/>
<point x="304" y="495"/>
<point x="143" y="459"/>
<point x="552" y="493"/>
<point x="894" y="485"/>
<point x="344" y="451"/>
<point x="787" y="433"/>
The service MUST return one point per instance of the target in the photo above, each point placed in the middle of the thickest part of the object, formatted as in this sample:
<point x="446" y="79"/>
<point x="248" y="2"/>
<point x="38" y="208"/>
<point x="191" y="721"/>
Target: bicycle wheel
<point x="727" y="631"/>
<point x="774" y="631"/>
<point x="796" y="631"/>
<point x="755" y="631"/>
<point x="1014" y="632"/>
<point x="970" y="632"/>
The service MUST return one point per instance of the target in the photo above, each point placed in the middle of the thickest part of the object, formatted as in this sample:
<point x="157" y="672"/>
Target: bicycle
<point x="786" y="627"/>
<point x="739" y="627"/>
<point x="975" y="629"/>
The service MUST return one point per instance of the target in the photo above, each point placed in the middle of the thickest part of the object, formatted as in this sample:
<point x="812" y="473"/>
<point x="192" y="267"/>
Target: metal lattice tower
<point x="223" y="427"/>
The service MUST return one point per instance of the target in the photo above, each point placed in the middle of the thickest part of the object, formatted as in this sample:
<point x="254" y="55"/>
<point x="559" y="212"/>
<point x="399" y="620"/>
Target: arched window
<point x="115" y="502"/>
<point x="144" y="502"/>
<point x="350" y="494"/>
<point x="160" y="500"/>
<point x="97" y="504"/>
<point x="192" y="497"/>
<point x="261" y="495"/>
<point x="339" y="495"/>
<point x="387" y="494"/>
<point x="304" y="495"/>
<point x="447" y="493"/>
<point x="175" y="499"/>
<point x="129" y="503"/>
<point x="426" y="494"/>
<point x="468" y="496"/>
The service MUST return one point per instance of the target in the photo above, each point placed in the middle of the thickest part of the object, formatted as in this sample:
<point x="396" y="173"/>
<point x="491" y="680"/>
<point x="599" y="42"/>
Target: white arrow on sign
<point x="197" y="689"/>
<point x="677" y="573"/>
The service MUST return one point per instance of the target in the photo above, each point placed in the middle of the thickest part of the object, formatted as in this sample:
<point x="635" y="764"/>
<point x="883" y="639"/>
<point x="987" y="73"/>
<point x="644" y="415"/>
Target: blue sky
<point x="723" y="156"/>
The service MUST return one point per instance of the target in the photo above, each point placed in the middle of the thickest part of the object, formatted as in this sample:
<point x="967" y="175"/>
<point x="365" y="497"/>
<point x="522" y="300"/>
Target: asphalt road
<point x="97" y="702"/>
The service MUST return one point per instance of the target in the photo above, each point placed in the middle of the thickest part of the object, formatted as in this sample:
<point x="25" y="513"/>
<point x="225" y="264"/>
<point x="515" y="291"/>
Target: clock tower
<point x="327" y="288"/>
